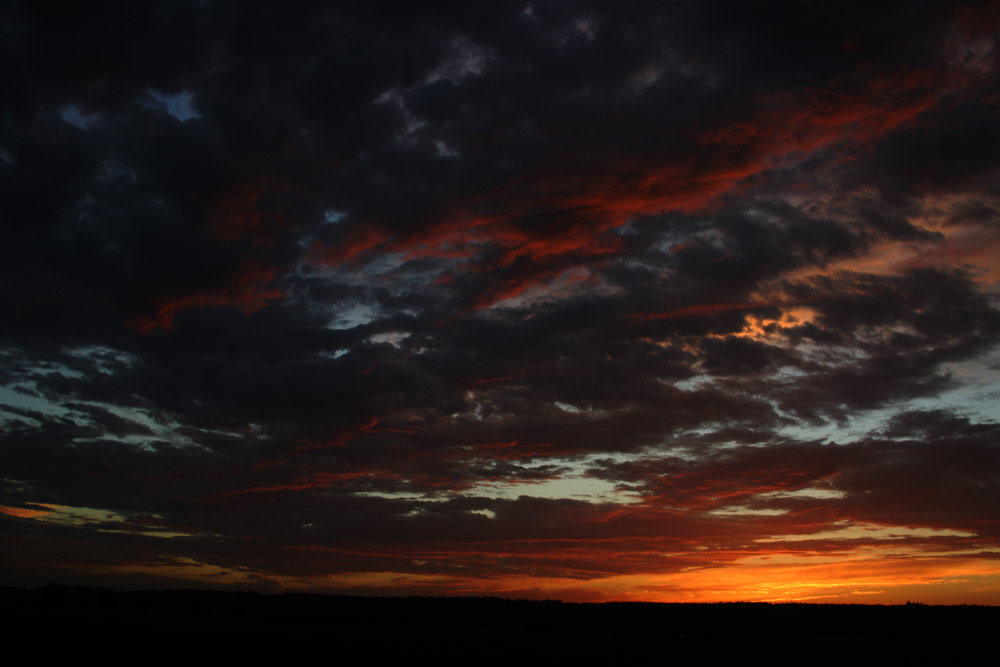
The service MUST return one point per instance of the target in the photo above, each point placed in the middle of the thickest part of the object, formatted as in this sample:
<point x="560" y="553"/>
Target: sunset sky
<point x="669" y="301"/>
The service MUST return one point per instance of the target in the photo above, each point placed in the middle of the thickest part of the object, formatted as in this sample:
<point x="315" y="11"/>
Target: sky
<point x="667" y="301"/>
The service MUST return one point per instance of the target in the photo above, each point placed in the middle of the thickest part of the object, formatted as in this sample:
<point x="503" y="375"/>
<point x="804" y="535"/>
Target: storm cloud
<point x="551" y="299"/>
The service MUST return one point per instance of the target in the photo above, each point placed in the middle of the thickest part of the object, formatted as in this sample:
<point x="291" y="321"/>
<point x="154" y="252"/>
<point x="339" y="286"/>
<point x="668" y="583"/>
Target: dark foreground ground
<point x="211" y="624"/>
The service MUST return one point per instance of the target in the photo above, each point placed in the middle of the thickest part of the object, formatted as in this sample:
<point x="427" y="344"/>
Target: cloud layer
<point x="686" y="302"/>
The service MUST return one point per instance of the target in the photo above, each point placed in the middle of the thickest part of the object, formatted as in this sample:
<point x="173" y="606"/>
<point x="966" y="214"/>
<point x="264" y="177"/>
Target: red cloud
<point x="248" y="292"/>
<point x="698" y="310"/>
<point x="359" y="240"/>
<point x="312" y="481"/>
<point x="582" y="199"/>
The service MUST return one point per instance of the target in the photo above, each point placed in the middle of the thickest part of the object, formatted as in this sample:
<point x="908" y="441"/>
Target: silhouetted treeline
<point x="452" y="626"/>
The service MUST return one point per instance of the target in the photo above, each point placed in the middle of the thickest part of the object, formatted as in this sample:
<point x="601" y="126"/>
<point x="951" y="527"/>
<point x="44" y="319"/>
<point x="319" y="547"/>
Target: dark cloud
<point x="294" y="294"/>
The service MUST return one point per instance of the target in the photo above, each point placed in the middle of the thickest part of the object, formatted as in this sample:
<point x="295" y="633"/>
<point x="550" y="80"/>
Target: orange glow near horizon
<point x="834" y="567"/>
<point x="862" y="576"/>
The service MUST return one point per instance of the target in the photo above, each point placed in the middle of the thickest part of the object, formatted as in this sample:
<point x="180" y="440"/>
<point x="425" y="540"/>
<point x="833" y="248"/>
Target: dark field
<point x="493" y="630"/>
